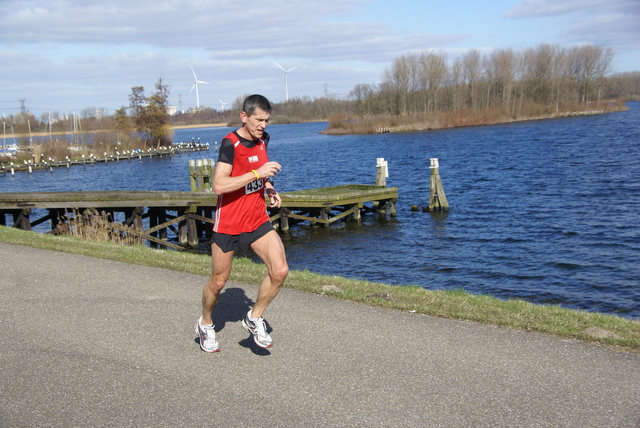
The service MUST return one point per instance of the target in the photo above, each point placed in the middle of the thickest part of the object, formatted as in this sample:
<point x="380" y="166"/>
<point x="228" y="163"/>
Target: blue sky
<point x="64" y="56"/>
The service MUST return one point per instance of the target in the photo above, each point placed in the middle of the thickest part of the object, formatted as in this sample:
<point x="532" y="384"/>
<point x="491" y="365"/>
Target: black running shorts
<point x="243" y="241"/>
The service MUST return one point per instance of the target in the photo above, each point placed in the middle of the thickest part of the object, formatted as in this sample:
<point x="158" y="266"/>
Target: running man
<point x="242" y="178"/>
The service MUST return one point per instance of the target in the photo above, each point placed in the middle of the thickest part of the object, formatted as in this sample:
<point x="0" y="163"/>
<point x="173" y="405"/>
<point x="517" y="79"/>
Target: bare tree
<point x="433" y="70"/>
<point x="397" y="80"/>
<point x="471" y="71"/>
<point x="363" y="95"/>
<point x="603" y="68"/>
<point x="502" y="62"/>
<point x="589" y="62"/>
<point x="455" y="81"/>
<point x="561" y="81"/>
<point x="542" y="88"/>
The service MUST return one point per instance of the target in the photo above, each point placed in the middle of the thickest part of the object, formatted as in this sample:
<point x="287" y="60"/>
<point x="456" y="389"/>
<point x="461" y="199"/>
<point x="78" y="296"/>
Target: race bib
<point x="254" y="186"/>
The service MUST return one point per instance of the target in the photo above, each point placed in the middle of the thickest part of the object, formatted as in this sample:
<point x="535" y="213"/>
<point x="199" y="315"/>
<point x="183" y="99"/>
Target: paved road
<point x="89" y="342"/>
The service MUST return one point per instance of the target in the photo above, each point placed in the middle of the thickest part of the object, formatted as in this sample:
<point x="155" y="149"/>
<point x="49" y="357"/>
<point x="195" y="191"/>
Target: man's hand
<point x="269" y="169"/>
<point x="274" y="198"/>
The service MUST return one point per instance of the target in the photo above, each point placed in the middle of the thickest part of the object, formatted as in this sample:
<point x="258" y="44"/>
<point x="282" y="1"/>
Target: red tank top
<point x="243" y="210"/>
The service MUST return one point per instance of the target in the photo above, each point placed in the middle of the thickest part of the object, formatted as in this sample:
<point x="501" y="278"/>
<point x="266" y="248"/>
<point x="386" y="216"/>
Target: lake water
<point x="546" y="211"/>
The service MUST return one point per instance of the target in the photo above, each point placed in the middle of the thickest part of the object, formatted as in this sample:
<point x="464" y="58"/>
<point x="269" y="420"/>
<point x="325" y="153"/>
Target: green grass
<point x="609" y="330"/>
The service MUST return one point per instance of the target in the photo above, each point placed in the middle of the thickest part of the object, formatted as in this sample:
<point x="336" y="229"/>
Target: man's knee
<point x="279" y="273"/>
<point x="216" y="283"/>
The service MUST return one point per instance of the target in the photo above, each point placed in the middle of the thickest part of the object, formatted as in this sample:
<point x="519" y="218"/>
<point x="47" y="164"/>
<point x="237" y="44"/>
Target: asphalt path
<point x="90" y="342"/>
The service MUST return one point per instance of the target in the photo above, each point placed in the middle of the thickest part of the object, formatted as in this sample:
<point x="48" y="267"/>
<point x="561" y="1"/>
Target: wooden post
<point x="192" y="232"/>
<point x="183" y="238"/>
<point x="357" y="213"/>
<point x="207" y="175"/>
<point x="135" y="221"/>
<point x="153" y="222"/>
<point x="437" y="198"/>
<point x="324" y="216"/>
<point x="383" y="172"/>
<point x="21" y="219"/>
<point x="192" y="175"/>
<point x="55" y="218"/>
<point x="201" y="175"/>
<point x="284" y="219"/>
<point x="392" y="209"/>
<point x="162" y="218"/>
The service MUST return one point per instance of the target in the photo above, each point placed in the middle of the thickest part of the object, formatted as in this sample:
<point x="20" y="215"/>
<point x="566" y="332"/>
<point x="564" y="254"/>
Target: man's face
<point x="256" y="123"/>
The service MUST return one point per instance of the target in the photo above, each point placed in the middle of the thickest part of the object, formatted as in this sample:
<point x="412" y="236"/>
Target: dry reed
<point x="96" y="226"/>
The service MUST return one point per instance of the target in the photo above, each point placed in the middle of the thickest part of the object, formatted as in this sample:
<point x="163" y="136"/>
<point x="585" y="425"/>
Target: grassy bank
<point x="608" y="330"/>
<point x="372" y="124"/>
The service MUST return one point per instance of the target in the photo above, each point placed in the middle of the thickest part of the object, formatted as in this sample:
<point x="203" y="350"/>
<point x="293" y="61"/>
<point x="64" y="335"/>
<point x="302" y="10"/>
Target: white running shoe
<point x="258" y="330"/>
<point x="207" y="334"/>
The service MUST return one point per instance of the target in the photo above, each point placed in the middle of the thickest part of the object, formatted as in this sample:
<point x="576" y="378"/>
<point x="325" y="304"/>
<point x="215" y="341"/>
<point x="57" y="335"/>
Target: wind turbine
<point x="286" y="86"/>
<point x="222" y="104"/>
<point x="195" y="85"/>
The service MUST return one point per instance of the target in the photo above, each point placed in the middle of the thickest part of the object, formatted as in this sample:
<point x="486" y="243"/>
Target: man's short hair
<point x="252" y="102"/>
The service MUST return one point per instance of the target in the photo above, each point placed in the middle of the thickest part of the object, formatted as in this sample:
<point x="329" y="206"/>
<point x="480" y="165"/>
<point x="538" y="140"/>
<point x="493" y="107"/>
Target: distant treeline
<point x="485" y="88"/>
<point x="549" y="77"/>
<point x="418" y="91"/>
<point x="422" y="90"/>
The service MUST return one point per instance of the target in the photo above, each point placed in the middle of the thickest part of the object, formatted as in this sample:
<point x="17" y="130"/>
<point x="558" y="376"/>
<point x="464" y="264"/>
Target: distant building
<point x="171" y="110"/>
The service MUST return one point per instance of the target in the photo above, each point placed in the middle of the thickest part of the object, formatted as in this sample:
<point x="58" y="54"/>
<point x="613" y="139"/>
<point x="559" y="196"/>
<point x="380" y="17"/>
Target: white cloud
<point x="218" y="25"/>
<point x="611" y="23"/>
<point x="538" y="8"/>
<point x="64" y="55"/>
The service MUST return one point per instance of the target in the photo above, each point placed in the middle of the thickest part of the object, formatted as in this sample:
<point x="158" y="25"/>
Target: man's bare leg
<point x="220" y="270"/>
<point x="271" y="250"/>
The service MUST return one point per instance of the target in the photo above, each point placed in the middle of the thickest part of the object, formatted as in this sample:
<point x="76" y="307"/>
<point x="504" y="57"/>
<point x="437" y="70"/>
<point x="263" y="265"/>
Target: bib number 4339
<point x="254" y="186"/>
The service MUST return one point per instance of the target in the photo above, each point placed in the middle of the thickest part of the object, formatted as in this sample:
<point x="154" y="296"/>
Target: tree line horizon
<point x="503" y="84"/>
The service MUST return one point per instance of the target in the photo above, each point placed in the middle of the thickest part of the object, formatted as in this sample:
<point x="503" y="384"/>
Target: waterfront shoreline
<point x="610" y="330"/>
<point x="440" y="121"/>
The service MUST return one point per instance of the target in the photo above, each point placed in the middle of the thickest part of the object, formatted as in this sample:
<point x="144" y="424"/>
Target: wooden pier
<point x="7" y="166"/>
<point x="151" y="215"/>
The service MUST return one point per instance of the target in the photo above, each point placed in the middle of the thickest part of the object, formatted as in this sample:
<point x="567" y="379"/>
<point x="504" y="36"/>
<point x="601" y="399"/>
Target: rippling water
<point x="547" y="211"/>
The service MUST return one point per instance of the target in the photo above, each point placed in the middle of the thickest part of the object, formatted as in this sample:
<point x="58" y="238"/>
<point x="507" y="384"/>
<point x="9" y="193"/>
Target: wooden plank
<point x="307" y="218"/>
<point x="143" y="235"/>
<point x="164" y="225"/>
<point x="347" y="199"/>
<point x="344" y="214"/>
<point x="201" y="218"/>
<point x="327" y="196"/>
